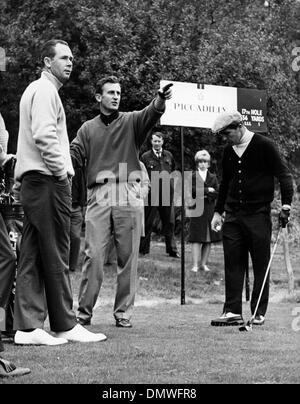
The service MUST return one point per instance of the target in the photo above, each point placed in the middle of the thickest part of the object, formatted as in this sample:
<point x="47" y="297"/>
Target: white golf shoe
<point x="81" y="334"/>
<point x="37" y="337"/>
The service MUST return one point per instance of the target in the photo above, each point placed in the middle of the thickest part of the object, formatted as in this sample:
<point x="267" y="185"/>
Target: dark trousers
<point x="1" y="345"/>
<point x="167" y="217"/>
<point x="7" y="265"/>
<point x="43" y="274"/>
<point x="75" y="236"/>
<point x="243" y="232"/>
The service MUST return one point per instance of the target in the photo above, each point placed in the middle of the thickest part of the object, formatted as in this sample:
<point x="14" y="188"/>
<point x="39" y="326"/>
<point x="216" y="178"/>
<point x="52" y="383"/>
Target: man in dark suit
<point x="158" y="160"/>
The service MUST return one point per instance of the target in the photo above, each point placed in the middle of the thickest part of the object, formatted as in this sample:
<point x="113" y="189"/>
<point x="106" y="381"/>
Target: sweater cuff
<point x="59" y="173"/>
<point x="160" y="111"/>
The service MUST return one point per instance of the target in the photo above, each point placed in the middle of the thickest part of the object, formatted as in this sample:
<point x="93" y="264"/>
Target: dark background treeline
<point x="234" y="43"/>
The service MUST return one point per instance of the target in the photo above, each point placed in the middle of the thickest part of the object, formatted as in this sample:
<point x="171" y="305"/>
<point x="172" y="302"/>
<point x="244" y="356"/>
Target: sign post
<point x="182" y="219"/>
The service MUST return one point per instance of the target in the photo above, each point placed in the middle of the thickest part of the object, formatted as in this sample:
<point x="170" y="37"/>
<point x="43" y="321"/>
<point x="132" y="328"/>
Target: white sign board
<point x="197" y="105"/>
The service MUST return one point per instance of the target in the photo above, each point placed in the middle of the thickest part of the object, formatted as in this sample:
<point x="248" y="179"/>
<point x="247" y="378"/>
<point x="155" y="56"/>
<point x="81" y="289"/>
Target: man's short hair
<point x="48" y="49"/>
<point x="104" y="80"/>
<point x="158" y="134"/>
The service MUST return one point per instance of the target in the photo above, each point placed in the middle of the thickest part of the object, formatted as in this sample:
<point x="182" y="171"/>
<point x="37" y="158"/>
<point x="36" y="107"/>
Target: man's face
<point x="110" y="98"/>
<point x="61" y="64"/>
<point x="232" y="136"/>
<point x="157" y="142"/>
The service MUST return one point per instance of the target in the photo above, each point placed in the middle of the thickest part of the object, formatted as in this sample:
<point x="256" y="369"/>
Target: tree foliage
<point x="233" y="43"/>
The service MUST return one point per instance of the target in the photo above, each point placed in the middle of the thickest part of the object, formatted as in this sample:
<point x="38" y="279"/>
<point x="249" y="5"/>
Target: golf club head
<point x="246" y="327"/>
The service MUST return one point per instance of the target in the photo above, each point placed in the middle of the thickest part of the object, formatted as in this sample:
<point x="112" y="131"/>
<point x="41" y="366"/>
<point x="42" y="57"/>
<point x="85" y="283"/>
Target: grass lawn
<point x="172" y="343"/>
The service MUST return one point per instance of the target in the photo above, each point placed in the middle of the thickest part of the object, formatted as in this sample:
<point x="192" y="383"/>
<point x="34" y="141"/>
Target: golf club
<point x="248" y="325"/>
<point x="247" y="280"/>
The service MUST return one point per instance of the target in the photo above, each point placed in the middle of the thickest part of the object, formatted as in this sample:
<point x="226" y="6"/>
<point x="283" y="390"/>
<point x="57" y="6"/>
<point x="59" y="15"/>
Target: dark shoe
<point x="258" y="320"/>
<point x="144" y="252"/>
<point x="83" y="321"/>
<point x="228" y="319"/>
<point x="142" y="255"/>
<point x="8" y="369"/>
<point x="204" y="268"/>
<point x="8" y="336"/>
<point x="174" y="254"/>
<point x="123" y="322"/>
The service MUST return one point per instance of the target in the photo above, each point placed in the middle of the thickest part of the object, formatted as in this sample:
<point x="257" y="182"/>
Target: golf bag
<point x="12" y="214"/>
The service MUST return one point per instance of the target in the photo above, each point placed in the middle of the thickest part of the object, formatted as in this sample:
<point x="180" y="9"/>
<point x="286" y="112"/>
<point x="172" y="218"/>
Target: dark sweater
<point x="248" y="181"/>
<point x="104" y="147"/>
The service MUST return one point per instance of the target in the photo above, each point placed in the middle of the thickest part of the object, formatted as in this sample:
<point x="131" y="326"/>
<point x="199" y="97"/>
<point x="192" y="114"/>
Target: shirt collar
<point x="156" y="152"/>
<point x="49" y="76"/>
<point x="246" y="138"/>
<point x="108" y="119"/>
<point x="203" y="174"/>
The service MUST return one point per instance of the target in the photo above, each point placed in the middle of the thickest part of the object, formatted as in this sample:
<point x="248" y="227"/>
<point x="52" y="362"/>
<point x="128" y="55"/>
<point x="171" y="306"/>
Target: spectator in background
<point x="79" y="192"/>
<point x="7" y="267"/>
<point x="201" y="234"/>
<point x="158" y="160"/>
<point x="7" y="256"/>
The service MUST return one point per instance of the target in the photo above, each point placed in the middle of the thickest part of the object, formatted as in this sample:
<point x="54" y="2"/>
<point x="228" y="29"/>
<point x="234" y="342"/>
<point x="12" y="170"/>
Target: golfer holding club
<point x="250" y="163"/>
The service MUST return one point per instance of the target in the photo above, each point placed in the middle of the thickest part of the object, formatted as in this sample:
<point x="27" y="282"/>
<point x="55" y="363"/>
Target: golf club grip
<point x="267" y="273"/>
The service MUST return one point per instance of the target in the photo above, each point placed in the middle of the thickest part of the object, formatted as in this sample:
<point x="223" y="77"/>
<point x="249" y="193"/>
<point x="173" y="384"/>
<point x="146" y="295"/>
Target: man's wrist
<point x="159" y="103"/>
<point x="61" y="177"/>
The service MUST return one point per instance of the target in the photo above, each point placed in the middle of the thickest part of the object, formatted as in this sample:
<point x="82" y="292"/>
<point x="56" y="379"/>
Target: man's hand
<point x="62" y="177"/>
<point x="166" y="93"/>
<point x="216" y="223"/>
<point x="284" y="216"/>
<point x="212" y="190"/>
<point x="163" y="94"/>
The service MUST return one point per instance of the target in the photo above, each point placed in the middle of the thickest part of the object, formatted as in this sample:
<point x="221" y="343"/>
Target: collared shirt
<point x="157" y="153"/>
<point x="203" y="174"/>
<point x="242" y="146"/>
